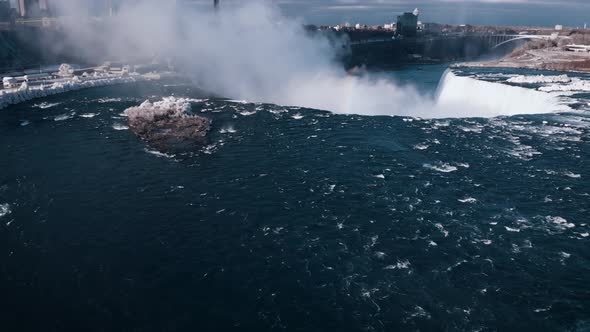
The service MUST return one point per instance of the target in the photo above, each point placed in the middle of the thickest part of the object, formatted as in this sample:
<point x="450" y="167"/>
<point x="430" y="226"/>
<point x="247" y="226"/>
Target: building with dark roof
<point x="407" y="25"/>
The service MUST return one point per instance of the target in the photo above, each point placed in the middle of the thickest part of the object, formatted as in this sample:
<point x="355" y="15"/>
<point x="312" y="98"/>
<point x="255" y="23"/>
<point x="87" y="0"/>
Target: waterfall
<point x="469" y="97"/>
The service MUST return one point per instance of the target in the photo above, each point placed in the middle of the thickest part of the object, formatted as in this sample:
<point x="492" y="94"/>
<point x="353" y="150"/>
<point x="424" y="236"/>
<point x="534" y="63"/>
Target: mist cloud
<point x="248" y="51"/>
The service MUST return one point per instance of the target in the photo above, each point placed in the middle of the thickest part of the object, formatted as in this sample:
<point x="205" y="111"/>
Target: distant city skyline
<point x="477" y="12"/>
<point x="571" y="13"/>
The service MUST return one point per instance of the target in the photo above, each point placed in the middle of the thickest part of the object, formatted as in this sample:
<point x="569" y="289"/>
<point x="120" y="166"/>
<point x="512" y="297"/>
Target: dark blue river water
<point x="292" y="219"/>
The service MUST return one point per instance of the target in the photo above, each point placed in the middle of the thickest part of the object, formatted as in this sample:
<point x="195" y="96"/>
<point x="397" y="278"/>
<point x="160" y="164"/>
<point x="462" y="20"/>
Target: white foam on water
<point x="247" y="113"/>
<point x="108" y="100"/>
<point x="441" y="228"/>
<point x="63" y="117"/>
<point x="118" y="126"/>
<point x="45" y="105"/>
<point x="25" y="123"/>
<point x="401" y="265"/>
<point x="88" y="115"/>
<point x="380" y="254"/>
<point x="469" y="200"/>
<point x="510" y="229"/>
<point x="210" y="149"/>
<point x="441" y="167"/>
<point x="228" y="130"/>
<point x="572" y="175"/>
<point x="297" y="116"/>
<point x="4" y="210"/>
<point x="159" y="154"/>
<point x="561" y="223"/>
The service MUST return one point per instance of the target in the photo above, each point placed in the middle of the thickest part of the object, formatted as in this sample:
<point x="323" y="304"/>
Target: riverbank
<point x="28" y="92"/>
<point x="554" y="59"/>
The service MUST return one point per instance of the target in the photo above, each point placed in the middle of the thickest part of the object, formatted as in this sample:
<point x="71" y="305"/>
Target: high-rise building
<point x="4" y="10"/>
<point x="407" y="24"/>
<point x="31" y="7"/>
<point x="22" y="7"/>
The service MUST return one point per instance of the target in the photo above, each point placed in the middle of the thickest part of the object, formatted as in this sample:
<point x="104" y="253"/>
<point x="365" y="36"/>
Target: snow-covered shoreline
<point x="25" y="92"/>
<point x="546" y="59"/>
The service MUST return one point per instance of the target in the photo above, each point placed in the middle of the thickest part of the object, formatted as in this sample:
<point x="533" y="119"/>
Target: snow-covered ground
<point x="553" y="83"/>
<point x="27" y="92"/>
<point x="538" y="79"/>
<point x="554" y="59"/>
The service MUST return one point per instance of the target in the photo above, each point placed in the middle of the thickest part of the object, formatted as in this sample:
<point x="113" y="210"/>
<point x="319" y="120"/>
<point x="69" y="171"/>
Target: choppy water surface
<point x="292" y="219"/>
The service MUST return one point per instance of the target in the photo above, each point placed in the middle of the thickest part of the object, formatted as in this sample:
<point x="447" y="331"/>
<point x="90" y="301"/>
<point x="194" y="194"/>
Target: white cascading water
<point x="459" y="96"/>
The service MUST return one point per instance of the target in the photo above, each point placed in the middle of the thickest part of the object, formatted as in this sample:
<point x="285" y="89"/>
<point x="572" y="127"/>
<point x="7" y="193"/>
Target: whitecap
<point x="514" y="230"/>
<point x="442" y="229"/>
<point x="561" y="223"/>
<point x="25" y="123"/>
<point x="297" y="116"/>
<point x="420" y="312"/>
<point x="118" y="126"/>
<point x="209" y="149"/>
<point x="379" y="176"/>
<point x="470" y="200"/>
<point x="159" y="154"/>
<point x="227" y="130"/>
<point x="572" y="175"/>
<point x="63" y="117"/>
<point x="405" y="264"/>
<point x="380" y="254"/>
<point x="330" y="189"/>
<point x="247" y="113"/>
<point x="88" y="115"/>
<point x="108" y="100"/>
<point x="4" y="210"/>
<point x="444" y="167"/>
<point x="45" y="105"/>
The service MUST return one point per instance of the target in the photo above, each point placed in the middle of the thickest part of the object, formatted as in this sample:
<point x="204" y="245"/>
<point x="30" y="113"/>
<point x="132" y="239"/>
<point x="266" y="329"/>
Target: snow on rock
<point x="175" y="107"/>
<point x="576" y="84"/>
<point x="537" y="79"/>
<point x="168" y="124"/>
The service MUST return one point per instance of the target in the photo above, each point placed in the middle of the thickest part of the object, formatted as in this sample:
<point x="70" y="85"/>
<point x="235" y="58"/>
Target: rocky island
<point x="168" y="125"/>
